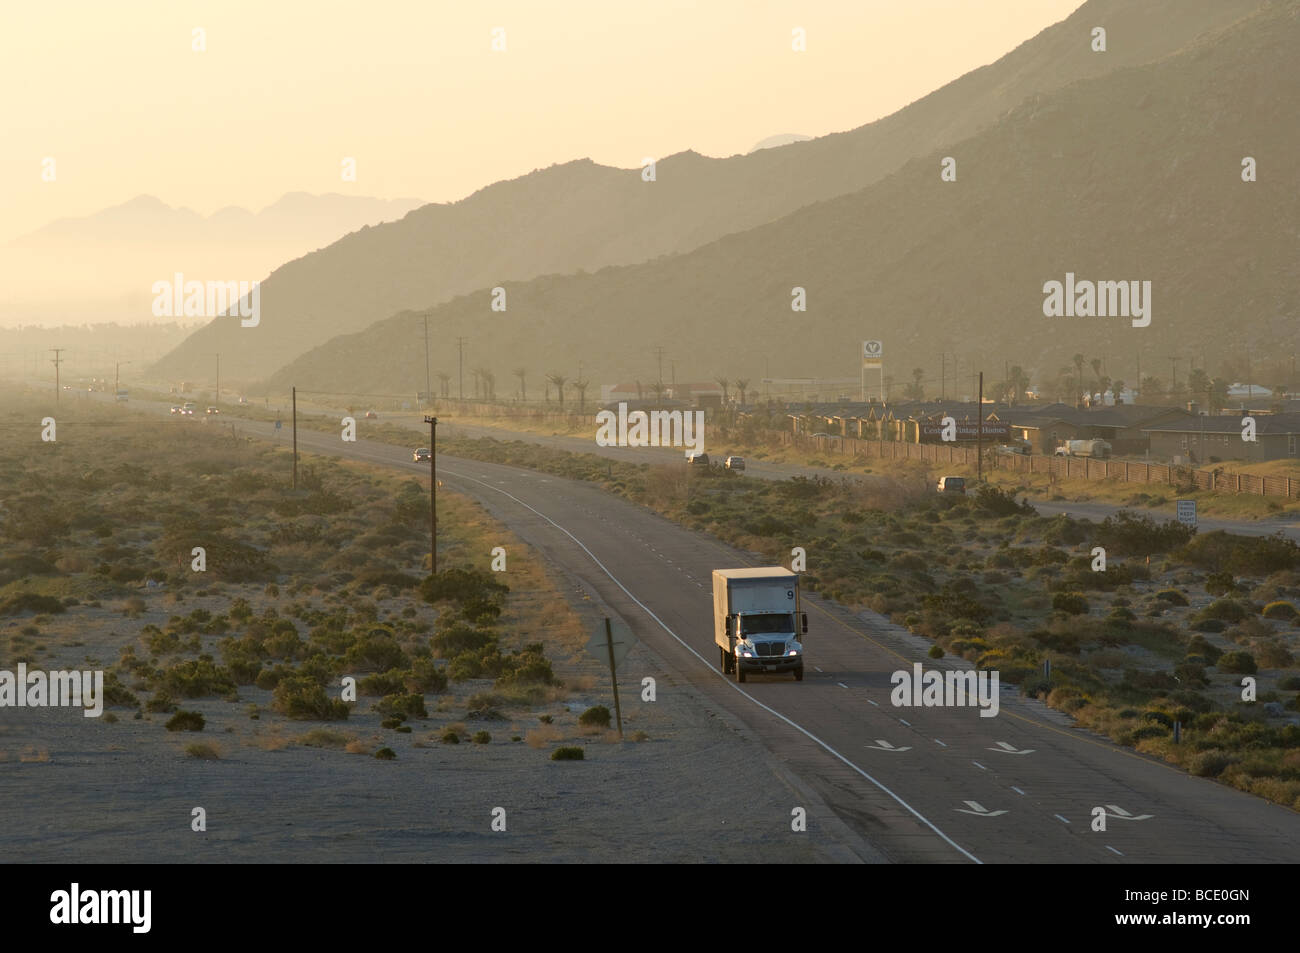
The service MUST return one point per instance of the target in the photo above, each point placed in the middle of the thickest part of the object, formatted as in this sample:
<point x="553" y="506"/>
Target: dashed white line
<point x="1017" y="790"/>
<point x="873" y="702"/>
<point x="1112" y="850"/>
<point x="1058" y="816"/>
<point x="818" y="669"/>
<point x="940" y="743"/>
<point x="908" y="723"/>
<point x="978" y="765"/>
<point x="841" y="685"/>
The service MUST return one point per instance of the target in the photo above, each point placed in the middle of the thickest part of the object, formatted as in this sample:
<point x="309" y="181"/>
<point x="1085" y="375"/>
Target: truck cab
<point x="758" y="625"/>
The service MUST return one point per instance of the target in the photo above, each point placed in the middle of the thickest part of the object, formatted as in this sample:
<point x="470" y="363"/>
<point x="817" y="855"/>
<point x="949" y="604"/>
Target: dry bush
<point x="357" y="747"/>
<point x="542" y="735"/>
<point x="204" y="750"/>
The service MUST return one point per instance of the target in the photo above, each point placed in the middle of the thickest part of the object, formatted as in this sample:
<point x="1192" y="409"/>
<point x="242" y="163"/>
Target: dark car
<point x="952" y="485"/>
<point x="697" y="459"/>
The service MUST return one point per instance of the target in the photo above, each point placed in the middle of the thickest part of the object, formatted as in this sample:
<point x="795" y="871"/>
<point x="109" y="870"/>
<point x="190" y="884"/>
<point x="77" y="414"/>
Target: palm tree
<point x="1095" y="364"/>
<point x="1019" y="383"/>
<point x="1116" y="388"/>
<point x="559" y="380"/>
<point x="724" y="384"/>
<point x="445" y="380"/>
<point x="581" y="388"/>
<point x="1198" y="382"/>
<point x="1218" y="394"/>
<point x="742" y="385"/>
<point x="520" y="373"/>
<point x="660" y="389"/>
<point x="1078" y="377"/>
<point x="474" y="373"/>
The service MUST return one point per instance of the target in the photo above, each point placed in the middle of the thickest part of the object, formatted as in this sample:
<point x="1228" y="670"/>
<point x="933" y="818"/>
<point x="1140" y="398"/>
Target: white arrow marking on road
<point x="1123" y="815"/>
<point x="1010" y="749"/>
<point x="883" y="745"/>
<point x="978" y="810"/>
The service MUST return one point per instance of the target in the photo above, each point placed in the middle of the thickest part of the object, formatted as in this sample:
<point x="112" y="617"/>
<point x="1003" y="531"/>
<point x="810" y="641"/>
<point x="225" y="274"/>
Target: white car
<point x="734" y="463"/>
<point x="175" y="409"/>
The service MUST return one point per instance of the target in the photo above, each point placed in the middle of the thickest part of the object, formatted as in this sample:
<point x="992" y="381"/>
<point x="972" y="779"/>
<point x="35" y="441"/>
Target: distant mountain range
<point x="101" y="266"/>
<point x="1132" y="176"/>
<point x="581" y="217"/>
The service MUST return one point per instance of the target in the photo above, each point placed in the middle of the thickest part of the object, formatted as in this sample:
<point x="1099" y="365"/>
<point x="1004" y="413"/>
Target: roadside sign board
<point x="1187" y="512"/>
<point x="623" y="641"/>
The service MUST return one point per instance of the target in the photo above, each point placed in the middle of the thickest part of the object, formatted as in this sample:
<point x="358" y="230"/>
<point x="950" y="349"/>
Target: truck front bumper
<point x="775" y="663"/>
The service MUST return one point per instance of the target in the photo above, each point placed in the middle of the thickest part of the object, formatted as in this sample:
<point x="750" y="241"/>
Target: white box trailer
<point x="757" y="621"/>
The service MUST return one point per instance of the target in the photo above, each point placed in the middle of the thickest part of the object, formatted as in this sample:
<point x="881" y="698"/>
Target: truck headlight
<point x="746" y="653"/>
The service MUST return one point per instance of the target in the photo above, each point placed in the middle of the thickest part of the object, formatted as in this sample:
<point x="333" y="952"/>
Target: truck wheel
<point x="798" y="674"/>
<point x="740" y="672"/>
<point x="726" y="661"/>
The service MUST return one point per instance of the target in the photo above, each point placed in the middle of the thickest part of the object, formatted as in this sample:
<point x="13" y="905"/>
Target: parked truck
<point x="757" y="621"/>
<point x="1084" y="448"/>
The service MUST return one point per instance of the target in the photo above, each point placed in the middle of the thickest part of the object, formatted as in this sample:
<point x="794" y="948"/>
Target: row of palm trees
<point x="485" y="386"/>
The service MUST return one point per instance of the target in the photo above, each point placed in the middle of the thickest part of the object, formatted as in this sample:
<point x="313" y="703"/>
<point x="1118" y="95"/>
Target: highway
<point x="918" y="784"/>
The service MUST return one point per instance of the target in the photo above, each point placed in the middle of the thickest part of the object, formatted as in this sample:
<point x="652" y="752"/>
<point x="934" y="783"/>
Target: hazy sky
<point x="412" y="89"/>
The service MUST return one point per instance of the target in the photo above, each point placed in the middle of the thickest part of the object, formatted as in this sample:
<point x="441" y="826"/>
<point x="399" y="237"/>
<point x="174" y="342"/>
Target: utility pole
<point x="660" y="352"/>
<point x="433" y="493"/>
<point x="117" y="376"/>
<point x="943" y="371"/>
<point x="460" y="345"/>
<point x="979" y="433"/>
<point x="1139" y="357"/>
<point x="295" y="438"/>
<point x="428" y="394"/>
<point x="58" y="352"/>
<point x="218" y="400"/>
<point x="1173" y="387"/>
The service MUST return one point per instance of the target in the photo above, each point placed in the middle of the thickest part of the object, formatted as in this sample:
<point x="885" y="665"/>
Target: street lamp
<point x="117" y="377"/>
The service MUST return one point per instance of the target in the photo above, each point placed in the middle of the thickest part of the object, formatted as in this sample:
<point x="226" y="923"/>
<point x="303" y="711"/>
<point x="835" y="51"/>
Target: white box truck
<point x="757" y="621"/>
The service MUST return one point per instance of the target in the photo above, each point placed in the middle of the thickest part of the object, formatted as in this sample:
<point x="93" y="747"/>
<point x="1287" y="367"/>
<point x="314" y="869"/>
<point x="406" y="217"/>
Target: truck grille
<point x="769" y="648"/>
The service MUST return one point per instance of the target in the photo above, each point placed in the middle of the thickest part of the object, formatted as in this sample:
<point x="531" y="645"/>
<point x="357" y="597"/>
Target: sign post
<point x="872" y="354"/>
<point x="1187" y="512"/>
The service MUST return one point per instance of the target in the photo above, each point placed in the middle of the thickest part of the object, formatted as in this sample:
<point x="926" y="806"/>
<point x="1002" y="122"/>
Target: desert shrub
<point x="378" y="650"/>
<point x="411" y="705"/>
<point x="598" y="716"/>
<point x="203" y="750"/>
<point x="304" y="699"/>
<point x="1172" y="596"/>
<point x="449" y="737"/>
<point x="1073" y="603"/>
<point x="382" y="683"/>
<point x="1280" y="610"/>
<point x="462" y="585"/>
<point x="385" y="754"/>
<point x="1190" y="674"/>
<point x="1228" y="610"/>
<point x="31" y="602"/>
<point x="161" y="704"/>
<point x="1209" y="625"/>
<point x="1242" y="555"/>
<point x="426" y="676"/>
<point x="324" y="738"/>
<point x="1273" y="654"/>
<point x="1210" y="764"/>
<point x="1219" y="583"/>
<point x="198" y="678"/>
<point x="936" y="651"/>
<point x="482" y="737"/>
<point x="1000" y="502"/>
<point x="185" y="721"/>
<point x="465" y="666"/>
<point x="568" y="753"/>
<point x="459" y="637"/>
<point x="1140" y="535"/>
<point x="1240" y="663"/>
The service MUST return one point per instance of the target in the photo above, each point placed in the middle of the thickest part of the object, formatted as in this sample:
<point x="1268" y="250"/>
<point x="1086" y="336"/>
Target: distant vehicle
<point x="952" y="485"/>
<point x="243" y="400"/>
<point x="734" y="463"/>
<point x="825" y="435"/>
<point x="757" y="622"/>
<point x="1099" y="449"/>
<point x="697" y="459"/>
<point x="175" y="409"/>
<point x="67" y="387"/>
<point x="121" y="395"/>
<point x="371" y="415"/>
<point x="422" y="454"/>
<point x="189" y="408"/>
<point x="1020" y="448"/>
<point x="212" y="410"/>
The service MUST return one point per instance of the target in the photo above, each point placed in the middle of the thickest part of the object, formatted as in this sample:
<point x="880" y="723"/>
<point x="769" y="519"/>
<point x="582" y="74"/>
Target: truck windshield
<point x="768" y="622"/>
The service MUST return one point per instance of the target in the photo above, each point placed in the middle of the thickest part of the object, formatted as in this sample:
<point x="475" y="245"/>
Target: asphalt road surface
<point x="918" y="784"/>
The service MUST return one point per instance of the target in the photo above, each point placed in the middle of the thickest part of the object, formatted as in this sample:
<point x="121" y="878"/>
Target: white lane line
<point x="940" y="743"/>
<point x="873" y="702"/>
<point x="1058" y="816"/>
<point x="1017" y="790"/>
<point x="978" y="765"/>
<point x="841" y="685"/>
<point x="908" y="723"/>
<point x="730" y="684"/>
<point x="1112" y="850"/>
<point x="818" y="669"/>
